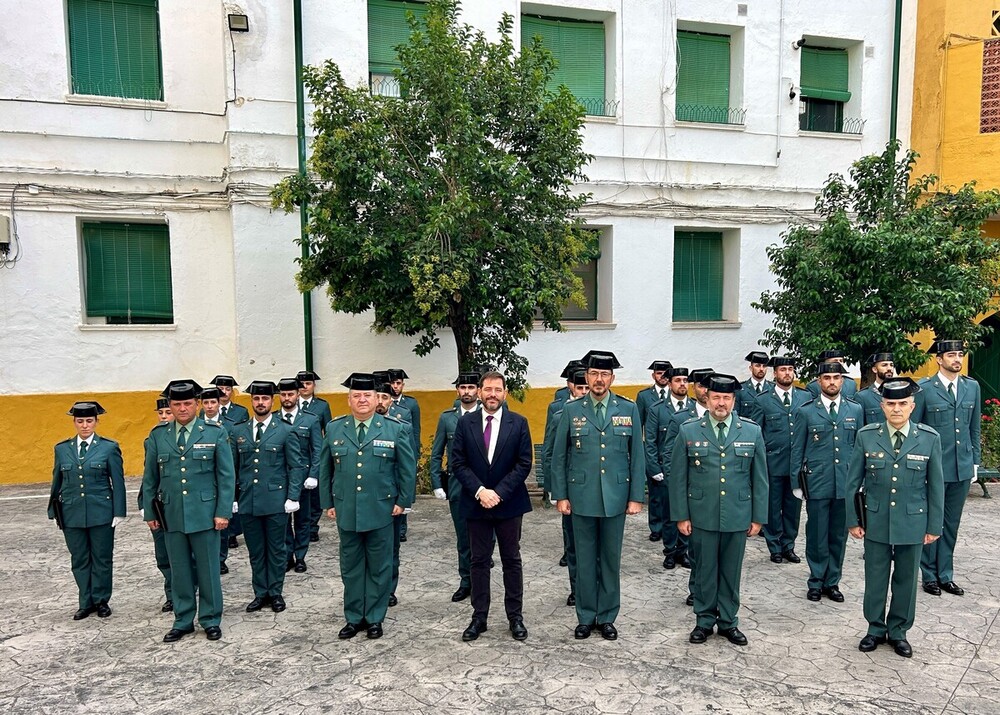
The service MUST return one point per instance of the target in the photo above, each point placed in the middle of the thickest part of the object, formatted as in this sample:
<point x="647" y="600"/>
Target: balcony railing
<point x="711" y="115"/>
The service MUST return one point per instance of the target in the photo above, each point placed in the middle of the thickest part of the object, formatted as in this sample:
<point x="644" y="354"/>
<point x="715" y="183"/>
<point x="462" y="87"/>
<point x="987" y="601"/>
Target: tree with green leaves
<point x="892" y="255"/>
<point x="451" y="205"/>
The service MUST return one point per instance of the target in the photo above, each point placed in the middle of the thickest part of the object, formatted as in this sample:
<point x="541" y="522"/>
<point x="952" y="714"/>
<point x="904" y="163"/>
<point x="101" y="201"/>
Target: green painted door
<point x="984" y="363"/>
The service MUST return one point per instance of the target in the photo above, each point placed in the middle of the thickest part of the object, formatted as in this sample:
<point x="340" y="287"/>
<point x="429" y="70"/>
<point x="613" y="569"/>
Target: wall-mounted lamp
<point x="239" y="23"/>
<point x="798" y="44"/>
<point x="791" y="92"/>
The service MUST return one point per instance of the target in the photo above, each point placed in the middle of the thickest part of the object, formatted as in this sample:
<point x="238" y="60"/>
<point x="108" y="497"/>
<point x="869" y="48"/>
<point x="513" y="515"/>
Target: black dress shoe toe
<point x="689" y="601"/>
<point x="932" y="588"/>
<point x="167" y="607"/>
<point x="562" y="561"/>
<point x="517" y="629"/>
<point x="949" y="586"/>
<point x="684" y="561"/>
<point x="571" y="599"/>
<point x="791" y="557"/>
<point x="175" y="634"/>
<point x="734" y="635"/>
<point x="103" y="610"/>
<point x="349" y="631"/>
<point x="776" y="558"/>
<point x="870" y="642"/>
<point x="393" y="600"/>
<point x="461" y="594"/>
<point x="492" y="562"/>
<point x="655" y="537"/>
<point x="289" y="565"/>
<point x="233" y="543"/>
<point x="213" y="633"/>
<point x="258" y="603"/>
<point x="375" y="631"/>
<point x="902" y="648"/>
<point x="475" y="629"/>
<point x="402" y="540"/>
<point x="669" y="562"/>
<point x="834" y="594"/>
<point x="313" y="538"/>
<point x="700" y="634"/>
<point x="582" y="631"/>
<point x="83" y="613"/>
<point x="223" y="569"/>
<point x="278" y="604"/>
<point x="608" y="631"/>
<point x="813" y="594"/>
<point x="300" y="566"/>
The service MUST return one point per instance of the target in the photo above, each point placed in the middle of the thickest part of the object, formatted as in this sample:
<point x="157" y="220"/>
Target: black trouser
<point x="508" y="536"/>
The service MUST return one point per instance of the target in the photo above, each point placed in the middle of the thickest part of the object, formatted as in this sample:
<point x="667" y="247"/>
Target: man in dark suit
<point x="491" y="457"/>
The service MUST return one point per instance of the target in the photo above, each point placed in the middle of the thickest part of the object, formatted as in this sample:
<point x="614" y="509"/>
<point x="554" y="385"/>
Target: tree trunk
<point x="464" y="344"/>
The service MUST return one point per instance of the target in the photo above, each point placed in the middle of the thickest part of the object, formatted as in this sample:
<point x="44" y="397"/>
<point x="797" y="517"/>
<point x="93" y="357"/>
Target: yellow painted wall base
<point x="31" y="425"/>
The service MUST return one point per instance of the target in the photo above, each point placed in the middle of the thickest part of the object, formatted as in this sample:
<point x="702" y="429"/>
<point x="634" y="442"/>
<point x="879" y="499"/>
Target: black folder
<point x="158" y="511"/>
<point x="804" y="481"/>
<point x="861" y="509"/>
<point x="55" y="504"/>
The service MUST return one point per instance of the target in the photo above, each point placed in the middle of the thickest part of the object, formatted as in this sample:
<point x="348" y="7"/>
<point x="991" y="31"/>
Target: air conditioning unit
<point x="4" y="235"/>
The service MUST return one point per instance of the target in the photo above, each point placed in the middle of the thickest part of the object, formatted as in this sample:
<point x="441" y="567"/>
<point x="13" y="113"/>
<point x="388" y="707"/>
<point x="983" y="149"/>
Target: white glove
<point x="797" y="493"/>
<point x="439" y="494"/>
<point x="310" y="483"/>
<point x="975" y="472"/>
<point x="291" y="506"/>
<point x="407" y="510"/>
<point x="657" y="477"/>
<point x="236" y="507"/>
<point x="552" y="502"/>
<point x="116" y="520"/>
<point x="142" y="514"/>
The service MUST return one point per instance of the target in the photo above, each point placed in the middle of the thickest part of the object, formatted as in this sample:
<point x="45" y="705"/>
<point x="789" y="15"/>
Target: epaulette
<point x="851" y="400"/>
<point x="215" y="425"/>
<point x="809" y="402"/>
<point x="747" y="419"/>
<point x="159" y="425"/>
<point x="67" y="441"/>
<point x="622" y="397"/>
<point x="338" y="418"/>
<point x="871" y="426"/>
<point x="450" y="409"/>
<point x="394" y="419"/>
<point x="926" y="428"/>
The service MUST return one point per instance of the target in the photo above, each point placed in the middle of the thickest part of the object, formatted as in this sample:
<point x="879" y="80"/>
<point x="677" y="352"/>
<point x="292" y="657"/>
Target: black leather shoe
<point x="684" y="561"/>
<point x="734" y="635"/>
<point x="375" y="631"/>
<point x="300" y="566"/>
<point x="233" y="543"/>
<point x="689" y="601"/>
<point x="258" y="603"/>
<point x="562" y="561"/>
<point x="167" y="607"/>
<point x="402" y="540"/>
<point x="223" y="569"/>
<point x="290" y="564"/>
<point x="213" y="633"/>
<point x="475" y="629"/>
<point x="834" y="594"/>
<point x="932" y="588"/>
<point x="870" y="642"/>
<point x="791" y="557"/>
<point x="902" y="648"/>
<point x="517" y="629"/>
<point x="175" y="634"/>
<point x="700" y="634"/>
<point x="103" y="610"/>
<point x="949" y="586"/>
<point x="313" y="538"/>
<point x="655" y="537"/>
<point x="608" y="631"/>
<point x="813" y="594"/>
<point x="393" y="600"/>
<point x="571" y="599"/>
<point x="669" y="562"/>
<point x="583" y="631"/>
<point x="776" y="558"/>
<point x="83" y="613"/>
<point x="277" y="604"/>
<point x="492" y="562"/>
<point x="349" y="631"/>
<point x="461" y="594"/>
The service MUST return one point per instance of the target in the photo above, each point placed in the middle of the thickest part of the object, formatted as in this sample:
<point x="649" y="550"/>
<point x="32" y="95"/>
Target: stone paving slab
<point x="802" y="656"/>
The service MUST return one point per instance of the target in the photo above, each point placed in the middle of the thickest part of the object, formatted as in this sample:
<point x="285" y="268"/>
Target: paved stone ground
<point x="802" y="656"/>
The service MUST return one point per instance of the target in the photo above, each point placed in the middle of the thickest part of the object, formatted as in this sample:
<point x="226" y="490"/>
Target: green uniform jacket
<point x="656" y="426"/>
<point x="271" y="471"/>
<point x="363" y="482"/>
<point x="237" y="414"/>
<point x="647" y="397"/>
<point x="411" y="404"/>
<point x="746" y="397"/>
<point x="92" y="489"/>
<point x="719" y="487"/>
<point x="443" y="436"/>
<point x="306" y="428"/>
<point x="904" y="493"/>
<point x="599" y="467"/>
<point x="321" y="408"/>
<point x="958" y="422"/>
<point x="824" y="446"/>
<point x="196" y="486"/>
<point x="870" y="400"/>
<point x="778" y="426"/>
<point x="552" y="415"/>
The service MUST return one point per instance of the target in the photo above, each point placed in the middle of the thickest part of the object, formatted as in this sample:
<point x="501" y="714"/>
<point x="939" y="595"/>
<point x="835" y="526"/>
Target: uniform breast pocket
<point x="384" y="457"/>
<point x="696" y="460"/>
<point x="744" y="455"/>
<point x="273" y="454"/>
<point x="163" y="462"/>
<point x="937" y="416"/>
<point x="874" y="468"/>
<point x="916" y="471"/>
<point x="622" y="436"/>
<point x="580" y="438"/>
<point x="337" y="454"/>
<point x="204" y="459"/>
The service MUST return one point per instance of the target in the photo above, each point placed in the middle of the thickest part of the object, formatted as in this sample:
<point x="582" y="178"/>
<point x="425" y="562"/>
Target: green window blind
<point x="578" y="47"/>
<point x="387" y="29"/>
<point x="697" y="276"/>
<point x="824" y="74"/>
<point x="588" y="274"/>
<point x="127" y="268"/>
<point x="703" y="65"/>
<point x="114" y="48"/>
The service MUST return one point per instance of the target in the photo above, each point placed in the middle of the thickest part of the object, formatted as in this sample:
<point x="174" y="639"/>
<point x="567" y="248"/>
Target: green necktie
<point x="83" y="449"/>
<point x="225" y="411"/>
<point x="785" y="401"/>
<point x="951" y="390"/>
<point x="722" y="433"/>
<point x="361" y="433"/>
<point x="182" y="439"/>
<point x="897" y="441"/>
<point x="600" y="413"/>
<point x="833" y="410"/>
<point x="757" y="387"/>
<point x="663" y="394"/>
<point x="260" y="431"/>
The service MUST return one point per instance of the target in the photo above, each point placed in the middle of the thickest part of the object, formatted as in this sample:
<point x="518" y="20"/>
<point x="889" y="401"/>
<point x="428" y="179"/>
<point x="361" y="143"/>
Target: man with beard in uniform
<point x="305" y="426"/>
<point x="756" y="385"/>
<point x="310" y="402"/>
<point x="659" y="390"/>
<point x="870" y="398"/>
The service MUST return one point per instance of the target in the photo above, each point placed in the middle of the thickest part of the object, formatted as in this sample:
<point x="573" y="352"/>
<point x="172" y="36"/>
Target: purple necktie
<point x="487" y="433"/>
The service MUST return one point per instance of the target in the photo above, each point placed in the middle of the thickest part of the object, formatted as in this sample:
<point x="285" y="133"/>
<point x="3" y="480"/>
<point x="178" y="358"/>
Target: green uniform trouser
<point x="938" y="560"/>
<point x="193" y="556"/>
<point x="569" y="549"/>
<point x="904" y="560"/>
<point x="366" y="570"/>
<point x="162" y="561"/>
<point x="658" y="515"/>
<point x="718" y="556"/>
<point x="598" y="543"/>
<point x="397" y="532"/>
<point x="265" y="537"/>
<point x="826" y="541"/>
<point x="462" y="539"/>
<point x="784" y="513"/>
<point x="90" y="551"/>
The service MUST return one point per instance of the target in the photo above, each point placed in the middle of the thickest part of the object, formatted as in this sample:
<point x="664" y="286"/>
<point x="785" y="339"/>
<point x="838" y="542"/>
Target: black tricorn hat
<point x="660" y="365"/>
<point x="579" y="377"/>
<point x="396" y="373"/>
<point x="899" y="388"/>
<point x="306" y="376"/>
<point x="382" y="387"/>
<point x="677" y="372"/>
<point x="781" y="361"/>
<point x="223" y="381"/>
<point x="262" y="387"/>
<point x="210" y="393"/>
<point x="875" y="358"/>
<point x="826" y="355"/>
<point x="601" y="360"/>
<point x="698" y="375"/>
<point x="86" y="409"/>
<point x="360" y="381"/>
<point x="940" y="347"/>
<point x="287" y="384"/>
<point x="182" y="390"/>
<point x="162" y="403"/>
<point x="828" y="367"/>
<point x="717" y="382"/>
<point x="757" y="356"/>
<point x="571" y="367"/>
<point x="466" y="378"/>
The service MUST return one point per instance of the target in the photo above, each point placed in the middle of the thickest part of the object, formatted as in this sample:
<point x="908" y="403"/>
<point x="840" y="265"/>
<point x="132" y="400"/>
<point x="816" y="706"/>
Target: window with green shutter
<point x="579" y="48"/>
<point x="127" y="272"/>
<point x="703" y="67"/>
<point x="114" y="48"/>
<point x="698" y="275"/>
<point x="387" y="30"/>
<point x="823" y="81"/>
